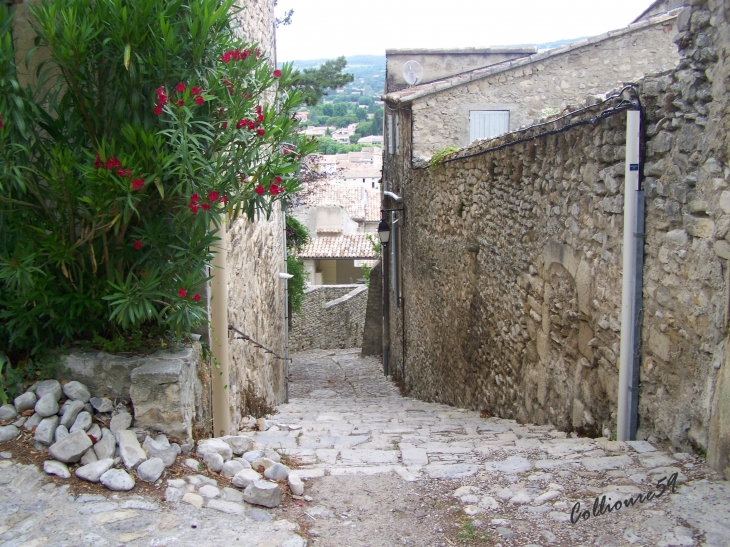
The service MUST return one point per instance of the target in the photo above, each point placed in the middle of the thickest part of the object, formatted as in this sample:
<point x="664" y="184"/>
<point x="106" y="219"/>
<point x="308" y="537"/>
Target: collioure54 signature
<point x="601" y="506"/>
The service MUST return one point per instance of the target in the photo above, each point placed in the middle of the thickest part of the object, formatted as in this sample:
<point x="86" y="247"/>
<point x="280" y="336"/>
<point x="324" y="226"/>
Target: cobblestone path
<point x="386" y="470"/>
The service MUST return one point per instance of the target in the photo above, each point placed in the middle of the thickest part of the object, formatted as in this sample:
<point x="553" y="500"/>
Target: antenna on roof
<point x="412" y="72"/>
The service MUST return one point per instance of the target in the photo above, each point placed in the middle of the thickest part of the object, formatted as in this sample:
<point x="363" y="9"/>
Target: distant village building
<point x="339" y="217"/>
<point x="371" y="139"/>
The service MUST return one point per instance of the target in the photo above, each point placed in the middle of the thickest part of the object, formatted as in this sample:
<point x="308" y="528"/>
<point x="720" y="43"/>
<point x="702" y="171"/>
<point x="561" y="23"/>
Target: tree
<point x="361" y="114"/>
<point x="313" y="82"/>
<point x="341" y="109"/>
<point x="378" y="121"/>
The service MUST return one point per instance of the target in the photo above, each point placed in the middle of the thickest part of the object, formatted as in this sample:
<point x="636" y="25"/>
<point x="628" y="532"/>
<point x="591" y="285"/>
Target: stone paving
<point x="345" y="422"/>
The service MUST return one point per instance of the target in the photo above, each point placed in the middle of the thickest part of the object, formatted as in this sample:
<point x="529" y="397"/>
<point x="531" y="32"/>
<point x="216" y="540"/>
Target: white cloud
<point x="329" y="28"/>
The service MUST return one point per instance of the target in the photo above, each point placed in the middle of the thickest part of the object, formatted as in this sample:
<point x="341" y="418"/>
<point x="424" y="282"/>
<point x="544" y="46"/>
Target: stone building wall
<point x="332" y="316"/>
<point x="372" y="337"/>
<point x="255" y="258"/>
<point x="532" y="90"/>
<point x="512" y="269"/>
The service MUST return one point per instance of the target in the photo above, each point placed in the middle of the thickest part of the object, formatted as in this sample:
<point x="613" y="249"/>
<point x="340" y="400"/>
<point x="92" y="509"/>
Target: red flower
<point x="160" y="90"/>
<point x="180" y="103"/>
<point x="137" y="244"/>
<point x="258" y="52"/>
<point x="260" y="132"/>
<point x="180" y="87"/>
<point x="196" y="297"/>
<point x="193" y="207"/>
<point x="223" y="199"/>
<point x="206" y="206"/>
<point x="158" y="110"/>
<point x="195" y="198"/>
<point x="137" y="184"/>
<point x="226" y="57"/>
<point x="277" y="180"/>
<point x="274" y="189"/>
<point x="195" y="90"/>
<point x="128" y="173"/>
<point x="162" y="100"/>
<point x="98" y="163"/>
<point x="199" y="100"/>
<point x="258" y="109"/>
<point x="112" y="163"/>
<point x="120" y="172"/>
<point x="277" y="74"/>
<point x="225" y="125"/>
<point x="260" y="118"/>
<point x="181" y="293"/>
<point x="212" y="196"/>
<point x="260" y="190"/>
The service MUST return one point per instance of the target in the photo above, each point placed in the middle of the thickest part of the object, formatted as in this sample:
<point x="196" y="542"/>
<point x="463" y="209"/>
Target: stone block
<point x="267" y="494"/>
<point x="163" y="392"/>
<point x="129" y="449"/>
<point x="71" y="448"/>
<point x="104" y="375"/>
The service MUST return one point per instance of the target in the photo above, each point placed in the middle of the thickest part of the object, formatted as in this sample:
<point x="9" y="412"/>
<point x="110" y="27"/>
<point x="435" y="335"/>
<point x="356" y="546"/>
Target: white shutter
<point x="485" y="124"/>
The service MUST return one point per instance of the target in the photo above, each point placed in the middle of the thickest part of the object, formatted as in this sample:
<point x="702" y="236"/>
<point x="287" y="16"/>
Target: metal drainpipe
<point x="631" y="299"/>
<point x="219" y="334"/>
<point x="286" y="310"/>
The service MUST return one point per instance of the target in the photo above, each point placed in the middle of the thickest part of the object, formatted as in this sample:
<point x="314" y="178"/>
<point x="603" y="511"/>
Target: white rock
<point x="262" y="462"/>
<point x="253" y="455"/>
<point x="209" y="491"/>
<point x="120" y="421"/>
<point x="60" y="469"/>
<point x="89" y="457"/>
<point x="117" y="480"/>
<point x="60" y="433"/>
<point x="232" y="467"/>
<point x="238" y="443"/>
<point x="32" y="422"/>
<point x="465" y="490"/>
<point x="193" y="499"/>
<point x="228" y="507"/>
<point x="488" y="503"/>
<point x="505" y="494"/>
<point x="192" y="464"/>
<point x="161" y="448"/>
<point x="520" y="498"/>
<point x="214" y="461"/>
<point x="71" y="448"/>
<point x="77" y="391"/>
<point x="216" y="446"/>
<point x="46" y="430"/>
<point x="129" y="449"/>
<point x="550" y="495"/>
<point x="243" y="478"/>
<point x="47" y="406"/>
<point x="472" y="510"/>
<point x="95" y="432"/>
<point x="106" y="446"/>
<point x="513" y="464"/>
<point x="273" y="455"/>
<point x="277" y="472"/>
<point x="46" y="387"/>
<point x="25" y="401"/>
<point x="93" y="471"/>
<point x="150" y="470"/>
<point x="69" y="413"/>
<point x="82" y="422"/>
<point x="231" y="494"/>
<point x="7" y="413"/>
<point x="295" y="484"/>
<point x="173" y="495"/>
<point x="102" y="404"/>
<point x="258" y="492"/>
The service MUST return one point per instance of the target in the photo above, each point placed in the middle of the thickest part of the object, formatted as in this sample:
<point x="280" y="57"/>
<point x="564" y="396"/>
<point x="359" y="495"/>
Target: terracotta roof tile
<point x="348" y="196"/>
<point x="343" y="246"/>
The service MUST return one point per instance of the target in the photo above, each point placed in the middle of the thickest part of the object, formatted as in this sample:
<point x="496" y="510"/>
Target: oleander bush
<point x="149" y="127"/>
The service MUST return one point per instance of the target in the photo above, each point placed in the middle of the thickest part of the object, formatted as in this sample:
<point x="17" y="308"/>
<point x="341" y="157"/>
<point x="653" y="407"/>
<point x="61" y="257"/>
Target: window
<point x="485" y="124"/>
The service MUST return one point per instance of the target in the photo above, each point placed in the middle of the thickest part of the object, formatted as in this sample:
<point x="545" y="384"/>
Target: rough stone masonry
<point x="512" y="258"/>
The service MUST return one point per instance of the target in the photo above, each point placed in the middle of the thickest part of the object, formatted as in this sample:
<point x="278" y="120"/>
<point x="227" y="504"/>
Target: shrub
<point x="117" y="175"/>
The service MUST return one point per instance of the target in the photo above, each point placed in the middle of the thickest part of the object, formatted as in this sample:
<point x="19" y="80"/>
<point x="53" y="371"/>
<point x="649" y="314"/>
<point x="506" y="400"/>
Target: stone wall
<point x="332" y="316"/>
<point x="512" y="267"/>
<point x="547" y="84"/>
<point x="255" y="258"/>
<point x="372" y="337"/>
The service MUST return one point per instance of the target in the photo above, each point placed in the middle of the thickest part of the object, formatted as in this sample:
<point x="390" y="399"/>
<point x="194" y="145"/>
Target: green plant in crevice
<point x="114" y="176"/>
<point x="297" y="237"/>
<point x="377" y="247"/>
<point x="439" y="156"/>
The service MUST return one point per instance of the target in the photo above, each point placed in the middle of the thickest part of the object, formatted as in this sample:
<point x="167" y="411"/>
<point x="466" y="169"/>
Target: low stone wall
<point x="332" y="316"/>
<point x="169" y="390"/>
<point x="372" y="337"/>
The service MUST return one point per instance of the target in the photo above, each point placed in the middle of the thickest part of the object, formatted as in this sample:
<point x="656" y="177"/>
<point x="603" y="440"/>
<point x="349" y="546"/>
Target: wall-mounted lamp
<point x="384" y="232"/>
<point x="283" y="275"/>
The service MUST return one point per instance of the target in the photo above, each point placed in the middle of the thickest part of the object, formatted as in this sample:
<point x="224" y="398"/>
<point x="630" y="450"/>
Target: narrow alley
<point x="385" y="470"/>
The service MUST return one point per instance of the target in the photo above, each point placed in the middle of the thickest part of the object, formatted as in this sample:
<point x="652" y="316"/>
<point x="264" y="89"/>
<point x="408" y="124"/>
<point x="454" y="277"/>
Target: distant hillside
<point x="369" y="72"/>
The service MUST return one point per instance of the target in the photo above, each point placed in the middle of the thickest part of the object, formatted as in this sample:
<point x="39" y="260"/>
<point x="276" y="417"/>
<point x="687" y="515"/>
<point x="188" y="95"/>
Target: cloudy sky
<point x="329" y="28"/>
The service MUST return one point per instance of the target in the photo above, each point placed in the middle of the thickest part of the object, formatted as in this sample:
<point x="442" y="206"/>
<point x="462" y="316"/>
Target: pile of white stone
<point x="70" y="424"/>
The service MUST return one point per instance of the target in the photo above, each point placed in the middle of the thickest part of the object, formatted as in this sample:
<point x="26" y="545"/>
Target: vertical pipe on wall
<point x="219" y="334"/>
<point x="286" y="309"/>
<point x="627" y="363"/>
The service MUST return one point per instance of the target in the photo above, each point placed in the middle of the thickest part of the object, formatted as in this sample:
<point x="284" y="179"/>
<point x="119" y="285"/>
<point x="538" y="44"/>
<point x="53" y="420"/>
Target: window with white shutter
<point x="486" y="124"/>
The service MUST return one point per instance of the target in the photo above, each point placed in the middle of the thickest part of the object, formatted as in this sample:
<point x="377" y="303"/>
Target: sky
<point x="330" y="28"/>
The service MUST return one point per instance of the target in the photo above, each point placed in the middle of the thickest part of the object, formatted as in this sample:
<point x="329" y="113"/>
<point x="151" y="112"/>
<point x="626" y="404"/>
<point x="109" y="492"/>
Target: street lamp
<point x="384" y="232"/>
